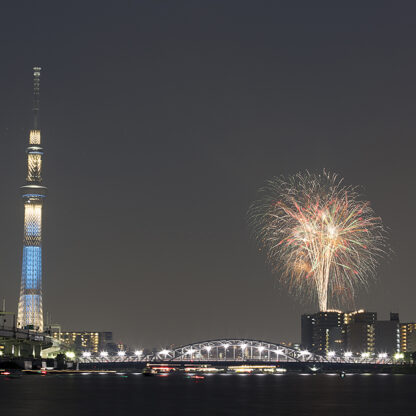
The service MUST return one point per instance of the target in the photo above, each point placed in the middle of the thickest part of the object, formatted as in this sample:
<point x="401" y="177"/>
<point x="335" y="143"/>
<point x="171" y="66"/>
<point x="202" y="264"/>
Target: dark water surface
<point x="290" y="394"/>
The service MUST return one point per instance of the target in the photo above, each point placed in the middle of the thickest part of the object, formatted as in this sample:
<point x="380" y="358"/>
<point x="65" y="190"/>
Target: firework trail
<point x="318" y="234"/>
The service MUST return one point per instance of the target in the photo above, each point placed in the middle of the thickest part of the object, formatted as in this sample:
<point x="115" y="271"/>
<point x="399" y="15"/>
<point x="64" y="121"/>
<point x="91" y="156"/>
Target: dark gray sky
<point x="160" y="121"/>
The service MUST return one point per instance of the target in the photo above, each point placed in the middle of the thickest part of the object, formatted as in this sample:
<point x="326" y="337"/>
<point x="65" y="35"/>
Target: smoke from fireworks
<point x="318" y="234"/>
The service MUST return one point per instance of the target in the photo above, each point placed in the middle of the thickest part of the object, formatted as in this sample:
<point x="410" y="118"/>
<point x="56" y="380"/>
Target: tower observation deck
<point x="30" y="312"/>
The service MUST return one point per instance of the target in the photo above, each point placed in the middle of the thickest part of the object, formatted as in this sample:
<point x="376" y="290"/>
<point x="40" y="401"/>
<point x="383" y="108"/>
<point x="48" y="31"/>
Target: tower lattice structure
<point x="30" y="313"/>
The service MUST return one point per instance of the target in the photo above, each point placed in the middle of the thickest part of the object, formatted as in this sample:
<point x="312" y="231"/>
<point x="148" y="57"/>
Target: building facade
<point x="357" y="332"/>
<point x="408" y="337"/>
<point x="81" y="341"/>
<point x="323" y="331"/>
<point x="387" y="335"/>
<point x="30" y="312"/>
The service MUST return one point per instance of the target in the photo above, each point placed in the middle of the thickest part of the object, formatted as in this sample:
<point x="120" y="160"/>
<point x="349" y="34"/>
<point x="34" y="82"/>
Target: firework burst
<point x="319" y="235"/>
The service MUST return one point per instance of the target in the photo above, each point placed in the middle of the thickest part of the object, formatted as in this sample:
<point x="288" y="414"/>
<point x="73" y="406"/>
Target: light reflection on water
<point x="291" y="394"/>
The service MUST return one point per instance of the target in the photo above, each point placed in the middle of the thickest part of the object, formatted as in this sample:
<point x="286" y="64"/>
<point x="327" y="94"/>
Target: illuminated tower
<point x="30" y="314"/>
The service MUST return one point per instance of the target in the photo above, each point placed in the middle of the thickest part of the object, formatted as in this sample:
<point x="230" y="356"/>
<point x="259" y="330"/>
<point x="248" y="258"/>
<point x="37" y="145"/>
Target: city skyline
<point x="153" y="160"/>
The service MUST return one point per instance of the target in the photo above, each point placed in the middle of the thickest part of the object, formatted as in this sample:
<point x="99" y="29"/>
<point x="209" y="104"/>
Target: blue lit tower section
<point x="30" y="314"/>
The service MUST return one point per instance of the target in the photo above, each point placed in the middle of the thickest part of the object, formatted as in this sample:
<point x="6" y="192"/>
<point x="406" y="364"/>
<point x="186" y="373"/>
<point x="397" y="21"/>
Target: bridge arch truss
<point x="234" y="350"/>
<point x="237" y="350"/>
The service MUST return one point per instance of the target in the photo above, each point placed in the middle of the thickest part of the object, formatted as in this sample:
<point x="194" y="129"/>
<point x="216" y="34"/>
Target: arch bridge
<point x="235" y="350"/>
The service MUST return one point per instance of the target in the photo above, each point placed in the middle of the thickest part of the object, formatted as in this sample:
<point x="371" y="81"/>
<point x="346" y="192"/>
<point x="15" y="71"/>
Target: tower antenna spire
<point x="36" y="97"/>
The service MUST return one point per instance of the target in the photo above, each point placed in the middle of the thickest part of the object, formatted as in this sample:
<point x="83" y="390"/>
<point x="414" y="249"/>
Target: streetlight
<point x="278" y="352"/>
<point x="138" y="353"/>
<point x="225" y="346"/>
<point x="331" y="354"/>
<point x="164" y="352"/>
<point x="104" y="354"/>
<point x="121" y="353"/>
<point x="243" y="347"/>
<point x="70" y="354"/>
<point x="382" y="355"/>
<point x="86" y="354"/>
<point x="260" y="349"/>
<point x="348" y="354"/>
<point x="208" y="348"/>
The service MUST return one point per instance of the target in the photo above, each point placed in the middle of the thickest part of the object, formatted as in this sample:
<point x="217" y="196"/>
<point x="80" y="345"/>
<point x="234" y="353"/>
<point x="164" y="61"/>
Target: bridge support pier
<point x="17" y="349"/>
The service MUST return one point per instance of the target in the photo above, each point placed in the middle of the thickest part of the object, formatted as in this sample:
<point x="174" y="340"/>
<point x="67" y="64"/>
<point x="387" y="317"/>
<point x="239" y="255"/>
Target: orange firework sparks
<point x="319" y="235"/>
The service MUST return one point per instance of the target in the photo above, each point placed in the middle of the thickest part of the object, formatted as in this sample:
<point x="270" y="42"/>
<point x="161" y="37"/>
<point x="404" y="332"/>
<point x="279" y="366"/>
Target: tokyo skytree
<point x="30" y="313"/>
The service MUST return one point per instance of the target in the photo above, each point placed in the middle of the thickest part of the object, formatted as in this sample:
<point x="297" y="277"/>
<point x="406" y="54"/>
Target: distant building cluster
<point x="356" y="332"/>
<point x="80" y="341"/>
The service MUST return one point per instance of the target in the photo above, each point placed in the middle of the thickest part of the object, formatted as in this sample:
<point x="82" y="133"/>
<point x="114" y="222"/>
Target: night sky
<point x="160" y="121"/>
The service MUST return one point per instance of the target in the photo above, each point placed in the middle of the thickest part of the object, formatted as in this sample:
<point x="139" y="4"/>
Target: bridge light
<point x="261" y="348"/>
<point x="138" y="353"/>
<point x="278" y="352"/>
<point x="398" y="356"/>
<point x="164" y="352"/>
<point x="331" y="354"/>
<point x="243" y="346"/>
<point x="304" y="352"/>
<point x="225" y="345"/>
<point x="365" y="355"/>
<point x="190" y="351"/>
<point x="121" y="353"/>
<point x="382" y="355"/>
<point x="348" y="354"/>
<point x="104" y="354"/>
<point x="208" y="348"/>
<point x="86" y="354"/>
<point x="70" y="354"/>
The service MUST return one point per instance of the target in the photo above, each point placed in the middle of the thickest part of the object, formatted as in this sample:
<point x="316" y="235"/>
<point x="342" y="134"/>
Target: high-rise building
<point x="323" y="331"/>
<point x="30" y="314"/>
<point x="308" y="322"/>
<point x="408" y="337"/>
<point x="387" y="335"/>
<point x="365" y="333"/>
<point x="359" y="331"/>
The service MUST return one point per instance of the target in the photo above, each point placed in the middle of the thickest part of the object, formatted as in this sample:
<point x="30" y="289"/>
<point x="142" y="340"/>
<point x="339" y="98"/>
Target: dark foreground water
<point x="290" y="394"/>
